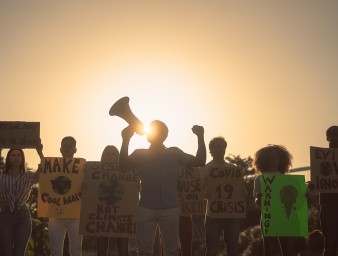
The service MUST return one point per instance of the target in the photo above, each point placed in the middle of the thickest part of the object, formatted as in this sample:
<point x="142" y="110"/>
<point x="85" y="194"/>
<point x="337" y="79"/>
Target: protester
<point x="215" y="227"/>
<point x="157" y="169"/>
<point x="111" y="154"/>
<point x="15" y="188"/>
<point x="329" y="206"/>
<point x="57" y="228"/>
<point x="273" y="159"/>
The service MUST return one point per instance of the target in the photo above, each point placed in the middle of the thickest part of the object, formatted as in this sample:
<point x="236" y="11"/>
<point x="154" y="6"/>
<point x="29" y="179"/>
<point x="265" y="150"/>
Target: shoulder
<point x="32" y="175"/>
<point x="139" y="152"/>
<point x="174" y="150"/>
<point x="228" y="165"/>
<point x="209" y="165"/>
<point x="206" y="168"/>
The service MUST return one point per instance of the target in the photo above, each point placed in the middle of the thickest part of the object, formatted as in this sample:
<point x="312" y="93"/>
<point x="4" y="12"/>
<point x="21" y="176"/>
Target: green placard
<point x="284" y="205"/>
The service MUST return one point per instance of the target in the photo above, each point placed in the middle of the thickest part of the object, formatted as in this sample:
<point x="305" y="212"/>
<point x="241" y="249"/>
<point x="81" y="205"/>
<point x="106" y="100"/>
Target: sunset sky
<point x="255" y="72"/>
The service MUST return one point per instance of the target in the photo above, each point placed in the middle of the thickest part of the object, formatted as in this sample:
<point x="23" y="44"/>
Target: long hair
<point x="8" y="165"/>
<point x="110" y="152"/>
<point x="264" y="155"/>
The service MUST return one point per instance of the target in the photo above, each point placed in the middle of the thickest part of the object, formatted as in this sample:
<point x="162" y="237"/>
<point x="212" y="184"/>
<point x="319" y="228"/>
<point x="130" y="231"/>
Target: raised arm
<point x="201" y="154"/>
<point x="124" y="162"/>
<point x="39" y="148"/>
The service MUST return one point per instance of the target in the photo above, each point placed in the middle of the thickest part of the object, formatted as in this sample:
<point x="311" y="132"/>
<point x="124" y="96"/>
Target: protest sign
<point x="19" y="134"/>
<point x="190" y="194"/>
<point x="109" y="201"/>
<point x="283" y="205"/>
<point x="226" y="193"/>
<point x="324" y="169"/>
<point x="60" y="184"/>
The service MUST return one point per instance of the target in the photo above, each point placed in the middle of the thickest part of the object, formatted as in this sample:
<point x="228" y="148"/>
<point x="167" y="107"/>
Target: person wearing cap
<point x="329" y="206"/>
<point x="157" y="169"/>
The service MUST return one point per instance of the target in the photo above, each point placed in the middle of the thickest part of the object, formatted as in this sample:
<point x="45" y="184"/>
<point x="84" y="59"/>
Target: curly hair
<point x="263" y="156"/>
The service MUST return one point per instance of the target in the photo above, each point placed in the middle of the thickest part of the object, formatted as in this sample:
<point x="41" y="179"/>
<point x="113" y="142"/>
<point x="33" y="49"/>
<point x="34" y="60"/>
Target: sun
<point x="147" y="129"/>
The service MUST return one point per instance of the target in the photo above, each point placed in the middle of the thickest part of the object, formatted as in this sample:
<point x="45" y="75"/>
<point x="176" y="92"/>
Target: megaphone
<point x="121" y="109"/>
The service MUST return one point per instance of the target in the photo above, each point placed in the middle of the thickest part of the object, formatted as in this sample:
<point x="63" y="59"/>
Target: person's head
<point x="15" y="159"/>
<point x="110" y="154"/>
<point x="68" y="146"/>
<point x="273" y="158"/>
<point x="316" y="240"/>
<point x="217" y="147"/>
<point x="332" y="136"/>
<point x="158" y="132"/>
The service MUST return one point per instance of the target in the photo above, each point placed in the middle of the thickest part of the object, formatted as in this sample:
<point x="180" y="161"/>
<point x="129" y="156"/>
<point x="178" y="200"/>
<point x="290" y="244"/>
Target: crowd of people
<point x="158" y="206"/>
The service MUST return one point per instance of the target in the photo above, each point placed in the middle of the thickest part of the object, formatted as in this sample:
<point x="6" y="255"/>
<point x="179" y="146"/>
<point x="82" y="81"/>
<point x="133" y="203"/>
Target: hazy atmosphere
<point x="255" y="72"/>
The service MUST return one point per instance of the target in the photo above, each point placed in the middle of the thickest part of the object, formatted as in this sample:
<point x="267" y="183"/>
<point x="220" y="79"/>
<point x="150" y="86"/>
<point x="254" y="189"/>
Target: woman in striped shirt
<point x="15" y="187"/>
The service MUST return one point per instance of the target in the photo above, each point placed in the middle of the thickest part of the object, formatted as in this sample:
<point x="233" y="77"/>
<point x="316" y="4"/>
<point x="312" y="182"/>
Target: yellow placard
<point x="60" y="184"/>
<point x="226" y="196"/>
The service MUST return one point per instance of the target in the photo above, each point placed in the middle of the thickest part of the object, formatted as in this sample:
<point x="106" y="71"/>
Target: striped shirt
<point x="14" y="192"/>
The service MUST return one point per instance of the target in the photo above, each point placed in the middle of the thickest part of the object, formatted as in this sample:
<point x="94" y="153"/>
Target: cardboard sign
<point x="225" y="187"/>
<point x="60" y="184"/>
<point x="19" y="134"/>
<point x="324" y="169"/>
<point x="190" y="195"/>
<point x="283" y="205"/>
<point x="109" y="201"/>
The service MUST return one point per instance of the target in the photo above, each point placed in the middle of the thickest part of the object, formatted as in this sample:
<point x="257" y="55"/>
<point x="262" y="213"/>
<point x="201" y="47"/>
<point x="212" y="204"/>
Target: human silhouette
<point x="157" y="169"/>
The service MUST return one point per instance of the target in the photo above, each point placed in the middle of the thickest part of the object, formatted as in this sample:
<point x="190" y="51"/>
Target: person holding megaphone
<point x="157" y="169"/>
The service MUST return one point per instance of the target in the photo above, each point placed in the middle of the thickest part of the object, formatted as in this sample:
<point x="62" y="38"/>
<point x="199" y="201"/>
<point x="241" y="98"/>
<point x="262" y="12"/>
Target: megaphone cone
<point x="121" y="109"/>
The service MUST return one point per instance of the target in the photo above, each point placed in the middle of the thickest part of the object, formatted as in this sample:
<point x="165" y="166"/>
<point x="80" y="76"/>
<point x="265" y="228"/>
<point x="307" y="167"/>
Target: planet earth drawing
<point x="325" y="168"/>
<point x="110" y="192"/>
<point x="61" y="185"/>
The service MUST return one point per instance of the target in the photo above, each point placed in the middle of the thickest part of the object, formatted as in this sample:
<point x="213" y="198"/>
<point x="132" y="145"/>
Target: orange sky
<point x="257" y="73"/>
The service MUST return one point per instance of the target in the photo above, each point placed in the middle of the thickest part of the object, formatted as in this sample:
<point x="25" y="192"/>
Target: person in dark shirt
<point x="157" y="169"/>
<point x="329" y="206"/>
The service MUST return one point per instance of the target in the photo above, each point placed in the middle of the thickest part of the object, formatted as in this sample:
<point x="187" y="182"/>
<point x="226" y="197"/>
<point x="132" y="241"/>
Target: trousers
<point x="57" y="229"/>
<point x="146" y="223"/>
<point x="16" y="228"/>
